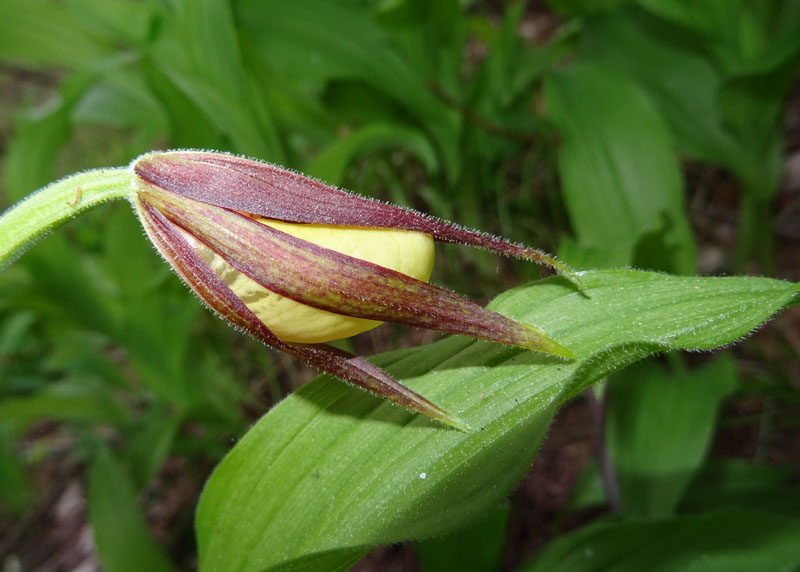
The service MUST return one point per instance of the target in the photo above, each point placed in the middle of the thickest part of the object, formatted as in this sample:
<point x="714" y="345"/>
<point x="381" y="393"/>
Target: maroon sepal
<point x="336" y="282"/>
<point x="269" y="191"/>
<point x="202" y="279"/>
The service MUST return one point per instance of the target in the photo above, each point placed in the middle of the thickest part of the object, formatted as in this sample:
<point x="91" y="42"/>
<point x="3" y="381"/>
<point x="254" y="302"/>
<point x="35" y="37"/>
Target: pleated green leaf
<point x="121" y="535"/>
<point x="659" y="428"/>
<point x="619" y="172"/>
<point x="332" y="471"/>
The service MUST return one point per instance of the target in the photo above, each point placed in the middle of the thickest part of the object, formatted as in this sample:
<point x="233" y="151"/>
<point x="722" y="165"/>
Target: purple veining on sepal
<point x="202" y="279"/>
<point x="335" y="282"/>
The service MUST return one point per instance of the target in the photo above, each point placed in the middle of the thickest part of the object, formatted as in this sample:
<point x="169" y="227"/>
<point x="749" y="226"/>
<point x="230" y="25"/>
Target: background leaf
<point x="619" y="172"/>
<point x="295" y="36"/>
<point x="742" y="483"/>
<point x="332" y="161"/>
<point x="121" y="534"/>
<point x="682" y="81"/>
<point x="476" y="548"/>
<point x="47" y="33"/>
<point x="659" y="428"/>
<point x="712" y="541"/>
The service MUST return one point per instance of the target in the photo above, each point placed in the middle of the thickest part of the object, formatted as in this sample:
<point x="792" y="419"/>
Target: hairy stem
<point x="27" y="221"/>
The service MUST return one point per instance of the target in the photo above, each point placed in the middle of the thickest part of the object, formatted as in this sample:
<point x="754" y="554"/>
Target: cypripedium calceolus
<point x="296" y="263"/>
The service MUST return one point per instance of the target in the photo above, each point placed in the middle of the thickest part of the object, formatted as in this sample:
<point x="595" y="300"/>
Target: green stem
<point x="27" y="221"/>
<point x="755" y="234"/>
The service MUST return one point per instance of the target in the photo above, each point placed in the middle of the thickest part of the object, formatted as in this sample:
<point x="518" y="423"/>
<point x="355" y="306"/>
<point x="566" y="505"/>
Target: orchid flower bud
<point x="295" y="263"/>
<point x="410" y="253"/>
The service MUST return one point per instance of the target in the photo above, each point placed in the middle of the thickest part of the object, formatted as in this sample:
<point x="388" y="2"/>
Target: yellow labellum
<point x="411" y="253"/>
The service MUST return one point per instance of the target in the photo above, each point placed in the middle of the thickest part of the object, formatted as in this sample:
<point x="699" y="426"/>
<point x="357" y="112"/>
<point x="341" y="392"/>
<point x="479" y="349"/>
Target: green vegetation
<point x="582" y="137"/>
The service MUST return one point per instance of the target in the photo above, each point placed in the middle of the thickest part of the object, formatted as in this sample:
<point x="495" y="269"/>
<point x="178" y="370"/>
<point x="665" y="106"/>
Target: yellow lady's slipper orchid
<point x="294" y="262"/>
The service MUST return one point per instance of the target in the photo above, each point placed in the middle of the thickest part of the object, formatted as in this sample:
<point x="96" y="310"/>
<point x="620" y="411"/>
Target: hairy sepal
<point x="210" y="288"/>
<point x="266" y="190"/>
<point x="335" y="282"/>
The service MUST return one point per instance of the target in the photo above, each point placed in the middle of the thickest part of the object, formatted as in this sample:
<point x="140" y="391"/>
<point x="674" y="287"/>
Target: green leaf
<point x="681" y="80"/>
<point x="199" y="54"/>
<point x="16" y="489"/>
<point x="12" y="332"/>
<point x="39" y="136"/>
<point x="150" y="446"/>
<point x="584" y="7"/>
<point x="120" y="531"/>
<point x="707" y="17"/>
<point x="430" y="36"/>
<point x="752" y="108"/>
<point x="121" y="99"/>
<point x="619" y="173"/>
<point x="295" y="39"/>
<point x="129" y="259"/>
<point x="41" y="32"/>
<point x="158" y="348"/>
<point x="728" y="540"/>
<point x="477" y="548"/>
<point x="114" y="21"/>
<point x="64" y="401"/>
<point x="188" y="125"/>
<point x="659" y="428"/>
<point x="729" y="117"/>
<point x="746" y="38"/>
<point x="743" y="483"/>
<point x="331" y="469"/>
<point x="722" y="89"/>
<point x="513" y="65"/>
<point x="332" y="161"/>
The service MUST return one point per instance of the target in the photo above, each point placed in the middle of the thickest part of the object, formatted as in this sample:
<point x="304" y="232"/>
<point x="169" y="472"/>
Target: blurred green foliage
<point x="571" y="140"/>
